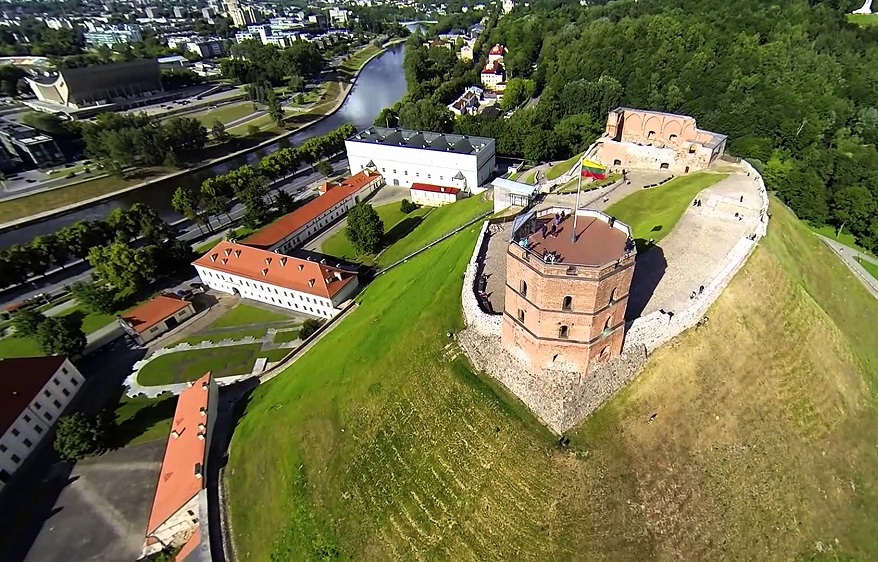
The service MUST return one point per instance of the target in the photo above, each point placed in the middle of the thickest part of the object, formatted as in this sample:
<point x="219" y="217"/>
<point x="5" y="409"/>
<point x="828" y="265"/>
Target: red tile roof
<point x="434" y="188"/>
<point x="154" y="311"/>
<point x="262" y="266"/>
<point x="178" y="480"/>
<point x="281" y="228"/>
<point x="21" y="379"/>
<point x="497" y="50"/>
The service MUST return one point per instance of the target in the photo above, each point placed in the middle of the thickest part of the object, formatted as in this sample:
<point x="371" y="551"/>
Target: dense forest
<point x="792" y="83"/>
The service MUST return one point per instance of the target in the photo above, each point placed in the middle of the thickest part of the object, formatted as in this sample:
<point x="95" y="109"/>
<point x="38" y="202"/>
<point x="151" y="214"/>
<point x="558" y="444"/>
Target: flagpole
<point x="578" y="190"/>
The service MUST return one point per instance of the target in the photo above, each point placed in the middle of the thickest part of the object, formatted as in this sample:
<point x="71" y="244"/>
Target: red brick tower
<point x="566" y="295"/>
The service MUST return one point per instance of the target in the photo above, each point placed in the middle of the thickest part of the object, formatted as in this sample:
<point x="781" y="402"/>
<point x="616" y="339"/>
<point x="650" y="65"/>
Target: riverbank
<point x="347" y="87"/>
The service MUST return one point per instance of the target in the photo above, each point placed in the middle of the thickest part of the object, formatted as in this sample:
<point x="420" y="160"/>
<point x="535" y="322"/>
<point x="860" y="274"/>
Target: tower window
<point x="608" y="322"/>
<point x="605" y="352"/>
<point x="523" y="288"/>
<point x="567" y="303"/>
<point x="650" y="135"/>
<point x="521" y="315"/>
<point x="613" y="296"/>
<point x="562" y="332"/>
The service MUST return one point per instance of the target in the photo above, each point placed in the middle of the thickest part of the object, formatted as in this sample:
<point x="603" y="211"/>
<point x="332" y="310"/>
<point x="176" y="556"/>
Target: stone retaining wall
<point x="477" y="319"/>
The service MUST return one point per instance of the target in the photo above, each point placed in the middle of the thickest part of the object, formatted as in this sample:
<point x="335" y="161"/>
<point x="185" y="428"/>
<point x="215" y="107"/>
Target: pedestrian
<point x="742" y="199"/>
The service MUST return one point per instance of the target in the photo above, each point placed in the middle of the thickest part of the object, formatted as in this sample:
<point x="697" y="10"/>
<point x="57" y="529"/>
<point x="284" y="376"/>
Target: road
<point x="55" y="280"/>
<point x="849" y="256"/>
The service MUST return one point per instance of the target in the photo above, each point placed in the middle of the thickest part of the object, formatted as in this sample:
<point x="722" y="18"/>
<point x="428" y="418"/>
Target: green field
<point x="288" y="336"/>
<point x="142" y="419"/>
<point x="225" y="114"/>
<point x="396" y="225"/>
<point x="246" y="315"/>
<point x="184" y="366"/>
<point x="573" y="185"/>
<point x="91" y="321"/>
<point x="863" y="20"/>
<point x="381" y="444"/>
<point x="19" y="347"/>
<point x="438" y="223"/>
<point x="870" y="267"/>
<point x="652" y="213"/>
<point x="562" y="168"/>
<point x="356" y="61"/>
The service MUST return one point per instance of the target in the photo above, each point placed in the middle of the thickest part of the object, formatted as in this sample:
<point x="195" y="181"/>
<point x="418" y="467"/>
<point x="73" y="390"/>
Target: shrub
<point x="310" y="326"/>
<point x="407" y="206"/>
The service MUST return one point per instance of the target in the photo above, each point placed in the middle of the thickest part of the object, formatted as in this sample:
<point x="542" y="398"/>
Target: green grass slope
<point x="395" y="223"/>
<point x="381" y="444"/>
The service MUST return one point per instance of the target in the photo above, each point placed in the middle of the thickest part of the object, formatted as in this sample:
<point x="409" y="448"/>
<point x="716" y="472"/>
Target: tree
<point x="95" y="297"/>
<point x="61" y="335"/>
<point x="123" y="223"/>
<point x="51" y="248"/>
<point x="78" y="436"/>
<point x="325" y="168"/>
<point x="426" y="115"/>
<point x="185" y="201"/>
<point x="48" y="123"/>
<point x="27" y="322"/>
<point x="252" y="130"/>
<point x="274" y="109"/>
<point x="218" y="130"/>
<point x="124" y="267"/>
<point x="407" y="206"/>
<point x="81" y="236"/>
<point x="365" y="229"/>
<point x="308" y="328"/>
<point x="296" y="83"/>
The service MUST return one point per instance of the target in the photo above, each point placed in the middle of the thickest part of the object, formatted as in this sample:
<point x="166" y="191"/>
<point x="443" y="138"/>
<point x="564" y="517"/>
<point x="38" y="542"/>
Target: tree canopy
<point x="365" y="229"/>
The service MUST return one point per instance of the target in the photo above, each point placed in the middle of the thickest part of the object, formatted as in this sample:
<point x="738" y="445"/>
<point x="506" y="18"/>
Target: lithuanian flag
<point x="593" y="170"/>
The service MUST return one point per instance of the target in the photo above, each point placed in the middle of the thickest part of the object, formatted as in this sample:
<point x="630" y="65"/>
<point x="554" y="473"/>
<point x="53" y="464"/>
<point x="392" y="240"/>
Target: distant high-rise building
<point x="152" y="13"/>
<point x="179" y="12"/>
<point x="208" y="13"/>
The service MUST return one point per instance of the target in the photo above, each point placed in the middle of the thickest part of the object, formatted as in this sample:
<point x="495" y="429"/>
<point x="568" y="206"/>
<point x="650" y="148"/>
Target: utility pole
<point x="578" y="191"/>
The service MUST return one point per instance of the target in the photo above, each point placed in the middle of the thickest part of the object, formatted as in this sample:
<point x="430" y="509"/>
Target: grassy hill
<point x="380" y="443"/>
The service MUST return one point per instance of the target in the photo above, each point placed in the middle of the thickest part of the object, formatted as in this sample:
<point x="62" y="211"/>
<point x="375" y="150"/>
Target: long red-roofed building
<point x="180" y="497"/>
<point x="308" y="286"/>
<point x="293" y="229"/>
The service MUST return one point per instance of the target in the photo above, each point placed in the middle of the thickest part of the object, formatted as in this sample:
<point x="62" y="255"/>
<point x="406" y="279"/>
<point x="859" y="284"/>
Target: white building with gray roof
<point x="405" y="157"/>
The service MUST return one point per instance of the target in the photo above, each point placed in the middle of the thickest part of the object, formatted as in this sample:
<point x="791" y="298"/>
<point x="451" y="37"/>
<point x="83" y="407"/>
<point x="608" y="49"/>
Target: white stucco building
<point x="294" y="229"/>
<point x="310" y="287"/>
<point x="434" y="195"/>
<point x="34" y="391"/>
<point x="155" y="317"/>
<point x="405" y="157"/>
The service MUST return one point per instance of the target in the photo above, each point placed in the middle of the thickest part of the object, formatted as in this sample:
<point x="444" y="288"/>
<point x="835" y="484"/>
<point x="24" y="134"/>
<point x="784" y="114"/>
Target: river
<point x="380" y="84"/>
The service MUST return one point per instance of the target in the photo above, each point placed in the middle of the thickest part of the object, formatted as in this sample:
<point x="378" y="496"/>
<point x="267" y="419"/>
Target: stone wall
<point x="477" y="319"/>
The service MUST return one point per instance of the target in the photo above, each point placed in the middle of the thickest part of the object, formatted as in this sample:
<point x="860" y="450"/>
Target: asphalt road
<point x="298" y="186"/>
<point x="849" y="257"/>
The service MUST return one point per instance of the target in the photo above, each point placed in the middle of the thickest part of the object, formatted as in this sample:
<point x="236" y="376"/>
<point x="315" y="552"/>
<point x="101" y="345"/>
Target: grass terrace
<point x="562" y="168"/>
<point x="380" y="443"/>
<point x="396" y="225"/>
<point x="225" y="113"/>
<point x="357" y="60"/>
<point x="653" y="213"/>
<point x="245" y="315"/>
<point x="184" y="366"/>
<point x="863" y="20"/>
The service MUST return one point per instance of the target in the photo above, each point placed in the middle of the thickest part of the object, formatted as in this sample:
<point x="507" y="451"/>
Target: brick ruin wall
<point x="561" y="400"/>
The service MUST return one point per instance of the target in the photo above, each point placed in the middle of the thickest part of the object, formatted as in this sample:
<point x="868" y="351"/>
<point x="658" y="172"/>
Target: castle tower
<point x="566" y="295"/>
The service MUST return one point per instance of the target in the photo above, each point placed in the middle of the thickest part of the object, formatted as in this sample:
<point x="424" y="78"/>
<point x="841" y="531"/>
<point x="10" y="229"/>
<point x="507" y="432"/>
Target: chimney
<point x="198" y="470"/>
<point x="200" y="436"/>
<point x="202" y="410"/>
<point x="175" y="434"/>
<point x="201" y="427"/>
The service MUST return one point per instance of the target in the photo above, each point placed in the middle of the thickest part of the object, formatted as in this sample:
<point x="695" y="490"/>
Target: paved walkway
<point x="850" y="258"/>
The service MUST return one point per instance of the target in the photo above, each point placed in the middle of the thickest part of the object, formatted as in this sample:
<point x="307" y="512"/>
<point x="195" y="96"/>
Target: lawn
<point x="218" y="336"/>
<point x="284" y="337"/>
<point x="379" y="443"/>
<point x="653" y="213"/>
<point x="248" y="315"/>
<point x="396" y="225"/>
<point x="185" y="366"/>
<point x="356" y="61"/>
<point x="19" y="347"/>
<point x="225" y="114"/>
<point x="529" y="177"/>
<point x="863" y="20"/>
<point x="91" y="321"/>
<point x="870" y="267"/>
<point x="48" y="200"/>
<point x="435" y="225"/>
<point x="562" y="168"/>
<point x="845" y="238"/>
<point x="141" y="419"/>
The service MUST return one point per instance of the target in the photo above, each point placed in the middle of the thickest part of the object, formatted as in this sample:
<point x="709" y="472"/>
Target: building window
<point x="663" y="166"/>
<point x="383" y="169"/>
<point x="56" y="403"/>
<point x="567" y="303"/>
<point x="47" y="394"/>
<point x="605" y="352"/>
<point x="64" y="370"/>
<point x="15" y="432"/>
<point x="28" y="443"/>
<point x="65" y="392"/>
<point x="38" y="429"/>
<point x="650" y="135"/>
<point x="394" y="171"/>
<point x="522" y="288"/>
<point x="429" y="176"/>
<point x="613" y="296"/>
<point x="26" y="418"/>
<point x="15" y="458"/>
<point x="672" y="138"/>
<point x="37" y="406"/>
<point x="617" y="162"/>
<point x="48" y="416"/>
<point x="2" y="448"/>
<point x="520" y="315"/>
<point x="608" y="322"/>
<point x="562" y="332"/>
<point x="406" y="172"/>
<point x="56" y="381"/>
